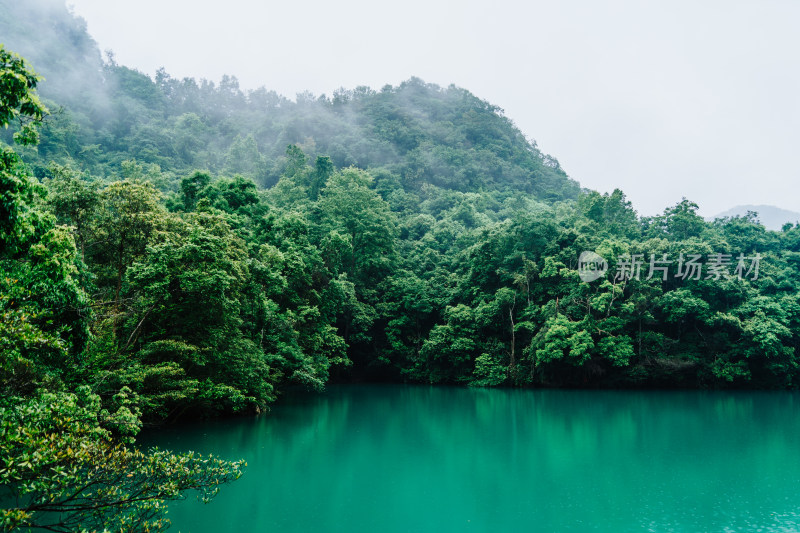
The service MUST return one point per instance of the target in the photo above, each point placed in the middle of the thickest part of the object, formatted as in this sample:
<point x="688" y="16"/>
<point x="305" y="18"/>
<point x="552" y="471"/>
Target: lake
<point x="391" y="458"/>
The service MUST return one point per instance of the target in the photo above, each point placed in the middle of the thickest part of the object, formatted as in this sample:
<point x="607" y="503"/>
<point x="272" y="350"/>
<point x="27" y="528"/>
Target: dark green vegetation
<point x="175" y="248"/>
<point x="65" y="463"/>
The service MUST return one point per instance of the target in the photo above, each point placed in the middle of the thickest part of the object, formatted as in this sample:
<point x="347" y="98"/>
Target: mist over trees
<point x="182" y="248"/>
<point x="422" y="133"/>
<point x="230" y="244"/>
<point x="66" y="461"/>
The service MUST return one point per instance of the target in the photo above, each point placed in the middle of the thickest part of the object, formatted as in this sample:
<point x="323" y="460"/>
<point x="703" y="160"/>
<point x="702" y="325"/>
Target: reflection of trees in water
<point x="503" y="458"/>
<point x="555" y="443"/>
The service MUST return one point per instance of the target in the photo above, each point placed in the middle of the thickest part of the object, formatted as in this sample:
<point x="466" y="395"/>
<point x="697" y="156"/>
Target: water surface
<point x="417" y="458"/>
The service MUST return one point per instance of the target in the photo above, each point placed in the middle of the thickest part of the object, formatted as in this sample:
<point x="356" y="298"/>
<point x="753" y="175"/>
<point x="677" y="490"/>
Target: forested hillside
<point x="420" y="133"/>
<point x="179" y="248"/>
<point x="230" y="244"/>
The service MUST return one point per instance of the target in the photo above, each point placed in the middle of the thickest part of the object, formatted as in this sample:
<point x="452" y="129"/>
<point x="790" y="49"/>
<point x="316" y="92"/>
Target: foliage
<point x="62" y="470"/>
<point x="19" y="100"/>
<point x="188" y="249"/>
<point x="65" y="458"/>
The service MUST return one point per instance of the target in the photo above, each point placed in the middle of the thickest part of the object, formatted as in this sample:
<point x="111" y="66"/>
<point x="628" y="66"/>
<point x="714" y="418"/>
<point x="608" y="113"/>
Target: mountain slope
<point x="422" y="133"/>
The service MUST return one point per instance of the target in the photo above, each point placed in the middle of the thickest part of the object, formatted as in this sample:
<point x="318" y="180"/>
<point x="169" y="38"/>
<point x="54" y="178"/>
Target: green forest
<point x="177" y="248"/>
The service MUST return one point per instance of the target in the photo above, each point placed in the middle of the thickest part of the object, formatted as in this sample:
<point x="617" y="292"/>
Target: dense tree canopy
<point x="180" y="248"/>
<point x="67" y="460"/>
<point x="205" y="247"/>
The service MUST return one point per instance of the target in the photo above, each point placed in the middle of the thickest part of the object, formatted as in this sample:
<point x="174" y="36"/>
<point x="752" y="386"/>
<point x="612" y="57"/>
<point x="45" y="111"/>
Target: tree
<point x="18" y="103"/>
<point x="347" y="205"/>
<point x="64" y="470"/>
<point x="186" y="326"/>
<point x="681" y="221"/>
<point x="192" y="187"/>
<point x="129" y="216"/>
<point x="42" y="307"/>
<point x="323" y="169"/>
<point x="66" y="461"/>
<point x="19" y="100"/>
<point x="613" y="212"/>
<point x="74" y="200"/>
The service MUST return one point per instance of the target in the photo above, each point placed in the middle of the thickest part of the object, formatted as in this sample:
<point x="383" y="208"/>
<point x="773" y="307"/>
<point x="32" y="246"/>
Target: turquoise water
<point x="416" y="458"/>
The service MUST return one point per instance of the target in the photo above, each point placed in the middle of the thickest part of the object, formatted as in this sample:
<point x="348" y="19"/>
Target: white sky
<point x="662" y="99"/>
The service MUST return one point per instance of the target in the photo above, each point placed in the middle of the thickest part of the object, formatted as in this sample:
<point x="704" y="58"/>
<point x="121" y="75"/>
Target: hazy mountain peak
<point x="772" y="217"/>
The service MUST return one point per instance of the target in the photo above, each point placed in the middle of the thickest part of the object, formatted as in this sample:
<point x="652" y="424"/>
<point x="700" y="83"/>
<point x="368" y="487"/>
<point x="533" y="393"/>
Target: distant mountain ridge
<point x="421" y="134"/>
<point x="773" y="218"/>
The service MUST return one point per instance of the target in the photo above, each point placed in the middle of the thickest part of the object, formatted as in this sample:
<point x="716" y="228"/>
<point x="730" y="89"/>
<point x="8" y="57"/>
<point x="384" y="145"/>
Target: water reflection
<point x="417" y="458"/>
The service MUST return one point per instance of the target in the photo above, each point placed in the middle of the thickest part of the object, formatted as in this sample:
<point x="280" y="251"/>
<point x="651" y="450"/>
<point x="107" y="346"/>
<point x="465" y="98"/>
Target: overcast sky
<point x="661" y="99"/>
